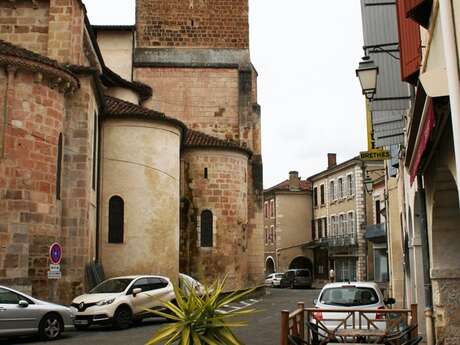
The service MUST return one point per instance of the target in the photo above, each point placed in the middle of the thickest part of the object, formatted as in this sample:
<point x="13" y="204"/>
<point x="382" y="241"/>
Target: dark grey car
<point x="21" y="314"/>
<point x="297" y="278"/>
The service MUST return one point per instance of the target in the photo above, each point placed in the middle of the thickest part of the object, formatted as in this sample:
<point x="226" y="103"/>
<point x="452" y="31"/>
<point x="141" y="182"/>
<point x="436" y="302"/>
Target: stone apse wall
<point x="210" y="85"/>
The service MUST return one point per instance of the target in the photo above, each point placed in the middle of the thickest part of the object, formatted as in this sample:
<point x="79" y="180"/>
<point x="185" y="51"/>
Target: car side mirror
<point x="389" y="301"/>
<point x="136" y="291"/>
<point x="315" y="301"/>
<point x="23" y="304"/>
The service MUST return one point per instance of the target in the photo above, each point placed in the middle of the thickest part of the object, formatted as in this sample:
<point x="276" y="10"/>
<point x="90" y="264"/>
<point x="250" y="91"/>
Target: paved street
<point x="263" y="328"/>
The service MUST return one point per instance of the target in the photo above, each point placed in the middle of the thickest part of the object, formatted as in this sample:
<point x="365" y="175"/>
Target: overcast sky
<point x="306" y="53"/>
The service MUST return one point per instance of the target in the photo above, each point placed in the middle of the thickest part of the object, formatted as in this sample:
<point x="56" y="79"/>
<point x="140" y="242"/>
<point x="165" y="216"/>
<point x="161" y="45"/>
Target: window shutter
<point x="410" y="45"/>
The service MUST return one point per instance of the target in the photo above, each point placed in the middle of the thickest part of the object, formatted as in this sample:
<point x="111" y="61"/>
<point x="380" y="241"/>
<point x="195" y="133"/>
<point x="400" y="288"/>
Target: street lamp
<point x="368" y="184"/>
<point x="367" y="74"/>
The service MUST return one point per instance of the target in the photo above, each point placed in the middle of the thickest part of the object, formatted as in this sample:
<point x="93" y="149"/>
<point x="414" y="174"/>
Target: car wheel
<point x="123" y="318"/>
<point x="81" y="327"/>
<point x="51" y="327"/>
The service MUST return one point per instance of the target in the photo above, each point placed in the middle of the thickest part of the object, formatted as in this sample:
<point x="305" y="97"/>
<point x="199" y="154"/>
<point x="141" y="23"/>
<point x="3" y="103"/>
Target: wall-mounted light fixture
<point x="367" y="74"/>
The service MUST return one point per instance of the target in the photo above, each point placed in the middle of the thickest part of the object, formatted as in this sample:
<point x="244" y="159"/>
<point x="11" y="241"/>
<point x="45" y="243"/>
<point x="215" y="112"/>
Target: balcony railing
<point x="376" y="233"/>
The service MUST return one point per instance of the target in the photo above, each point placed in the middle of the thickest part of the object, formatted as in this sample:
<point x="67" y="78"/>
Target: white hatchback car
<point x="120" y="301"/>
<point x="274" y="279"/>
<point x="353" y="295"/>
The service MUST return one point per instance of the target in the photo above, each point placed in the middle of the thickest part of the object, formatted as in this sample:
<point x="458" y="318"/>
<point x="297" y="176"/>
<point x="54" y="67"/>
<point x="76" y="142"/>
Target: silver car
<point x="21" y="314"/>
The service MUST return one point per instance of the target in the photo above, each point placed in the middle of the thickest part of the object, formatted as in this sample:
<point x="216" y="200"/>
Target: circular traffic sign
<point x="55" y="253"/>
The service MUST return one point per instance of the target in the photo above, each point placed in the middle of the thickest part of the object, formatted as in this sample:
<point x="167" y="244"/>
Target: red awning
<point x="425" y="133"/>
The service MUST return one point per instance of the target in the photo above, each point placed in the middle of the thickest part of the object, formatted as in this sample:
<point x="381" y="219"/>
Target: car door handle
<point x="2" y="309"/>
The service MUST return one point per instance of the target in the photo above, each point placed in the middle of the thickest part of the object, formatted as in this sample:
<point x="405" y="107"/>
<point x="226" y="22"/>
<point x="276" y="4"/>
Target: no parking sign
<point x="55" y="256"/>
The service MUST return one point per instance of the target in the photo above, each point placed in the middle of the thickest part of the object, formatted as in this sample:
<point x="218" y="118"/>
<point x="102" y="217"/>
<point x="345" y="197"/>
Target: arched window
<point x="59" y="168"/>
<point x="206" y="229"/>
<point x="116" y="219"/>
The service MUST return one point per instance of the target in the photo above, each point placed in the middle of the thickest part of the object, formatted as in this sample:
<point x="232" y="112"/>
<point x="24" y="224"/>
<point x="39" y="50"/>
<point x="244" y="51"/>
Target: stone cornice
<point x="57" y="76"/>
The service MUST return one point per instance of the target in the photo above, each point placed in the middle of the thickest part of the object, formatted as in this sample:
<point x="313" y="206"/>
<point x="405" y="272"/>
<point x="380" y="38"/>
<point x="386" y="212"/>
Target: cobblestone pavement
<point x="263" y="327"/>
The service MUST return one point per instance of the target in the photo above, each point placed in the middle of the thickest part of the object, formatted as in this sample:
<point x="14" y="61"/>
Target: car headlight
<point x="105" y="302"/>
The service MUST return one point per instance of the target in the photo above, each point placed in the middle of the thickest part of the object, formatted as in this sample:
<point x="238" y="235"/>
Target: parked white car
<point x="21" y="314"/>
<point x="353" y="295"/>
<point x="122" y="300"/>
<point x="186" y="283"/>
<point x="273" y="279"/>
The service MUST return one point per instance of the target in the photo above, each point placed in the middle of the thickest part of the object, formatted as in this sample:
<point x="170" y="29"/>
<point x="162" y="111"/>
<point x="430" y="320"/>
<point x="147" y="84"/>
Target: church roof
<point x="195" y="139"/>
<point x="11" y="54"/>
<point x="117" y="108"/>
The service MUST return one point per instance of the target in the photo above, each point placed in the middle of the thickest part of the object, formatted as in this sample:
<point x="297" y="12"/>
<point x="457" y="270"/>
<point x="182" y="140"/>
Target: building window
<point x="272" y="234"/>
<point x="320" y="228"/>
<point x="351" y="223"/>
<point x="205" y="173"/>
<point x="272" y="208"/>
<point x="93" y="182"/>
<point x="315" y="197"/>
<point x="321" y="188"/>
<point x="325" y="227"/>
<point x="342" y="225"/>
<point x="206" y="228"/>
<point x="116" y="219"/>
<point x="378" y="219"/>
<point x="350" y="185"/>
<point x="59" y="168"/>
<point x="331" y="191"/>
<point x="266" y="235"/>
<point x="266" y="209"/>
<point x="333" y="226"/>
<point x="313" y="229"/>
<point x="340" y="188"/>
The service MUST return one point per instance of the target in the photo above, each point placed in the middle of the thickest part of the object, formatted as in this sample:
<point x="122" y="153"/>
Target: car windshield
<point x="112" y="286"/>
<point x="302" y="273"/>
<point x="348" y="296"/>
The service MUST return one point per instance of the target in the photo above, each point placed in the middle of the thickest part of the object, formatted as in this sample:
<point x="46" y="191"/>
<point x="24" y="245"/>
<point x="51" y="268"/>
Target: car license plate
<point x="80" y="322"/>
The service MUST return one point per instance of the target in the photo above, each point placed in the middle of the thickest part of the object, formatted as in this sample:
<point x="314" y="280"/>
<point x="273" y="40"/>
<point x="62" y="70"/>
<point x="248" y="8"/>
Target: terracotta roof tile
<point x="116" y="107"/>
<point x="195" y="139"/>
<point x="7" y="48"/>
<point x="13" y="55"/>
<point x="305" y="185"/>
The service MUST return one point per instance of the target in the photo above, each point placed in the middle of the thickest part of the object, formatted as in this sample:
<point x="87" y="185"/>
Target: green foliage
<point x="197" y="320"/>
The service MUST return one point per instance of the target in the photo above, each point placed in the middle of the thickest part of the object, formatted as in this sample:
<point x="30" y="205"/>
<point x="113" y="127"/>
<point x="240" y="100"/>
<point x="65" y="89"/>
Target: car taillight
<point x="318" y="315"/>
<point x="380" y="316"/>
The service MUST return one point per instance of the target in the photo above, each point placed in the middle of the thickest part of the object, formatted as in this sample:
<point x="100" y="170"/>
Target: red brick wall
<point x="192" y="23"/>
<point x="23" y="24"/>
<point x="66" y="31"/>
<point x="205" y="99"/>
<point x="30" y="213"/>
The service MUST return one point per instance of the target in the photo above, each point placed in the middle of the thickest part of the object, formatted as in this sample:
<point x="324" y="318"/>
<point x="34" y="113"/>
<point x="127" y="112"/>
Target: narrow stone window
<point x="59" y="168"/>
<point x="206" y="229"/>
<point x="206" y="173"/>
<point x="116" y="219"/>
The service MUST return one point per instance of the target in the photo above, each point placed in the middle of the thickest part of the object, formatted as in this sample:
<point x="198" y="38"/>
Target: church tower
<point x="195" y="56"/>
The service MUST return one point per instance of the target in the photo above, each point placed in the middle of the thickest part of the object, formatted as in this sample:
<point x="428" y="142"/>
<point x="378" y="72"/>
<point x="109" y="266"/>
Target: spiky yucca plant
<point x="197" y="320"/>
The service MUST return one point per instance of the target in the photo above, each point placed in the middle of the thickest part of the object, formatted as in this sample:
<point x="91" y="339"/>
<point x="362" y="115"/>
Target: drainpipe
<point x="453" y="75"/>
<point x="426" y="263"/>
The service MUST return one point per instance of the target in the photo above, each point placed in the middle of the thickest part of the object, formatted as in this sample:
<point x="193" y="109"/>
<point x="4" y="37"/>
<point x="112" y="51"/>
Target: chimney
<point x="294" y="180"/>
<point x="331" y="160"/>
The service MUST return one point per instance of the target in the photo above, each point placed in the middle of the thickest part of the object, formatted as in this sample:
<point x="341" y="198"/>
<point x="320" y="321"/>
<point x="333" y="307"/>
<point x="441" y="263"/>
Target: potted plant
<point x="197" y="319"/>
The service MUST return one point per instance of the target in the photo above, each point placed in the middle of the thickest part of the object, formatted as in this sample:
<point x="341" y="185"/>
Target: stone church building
<point x="135" y="147"/>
